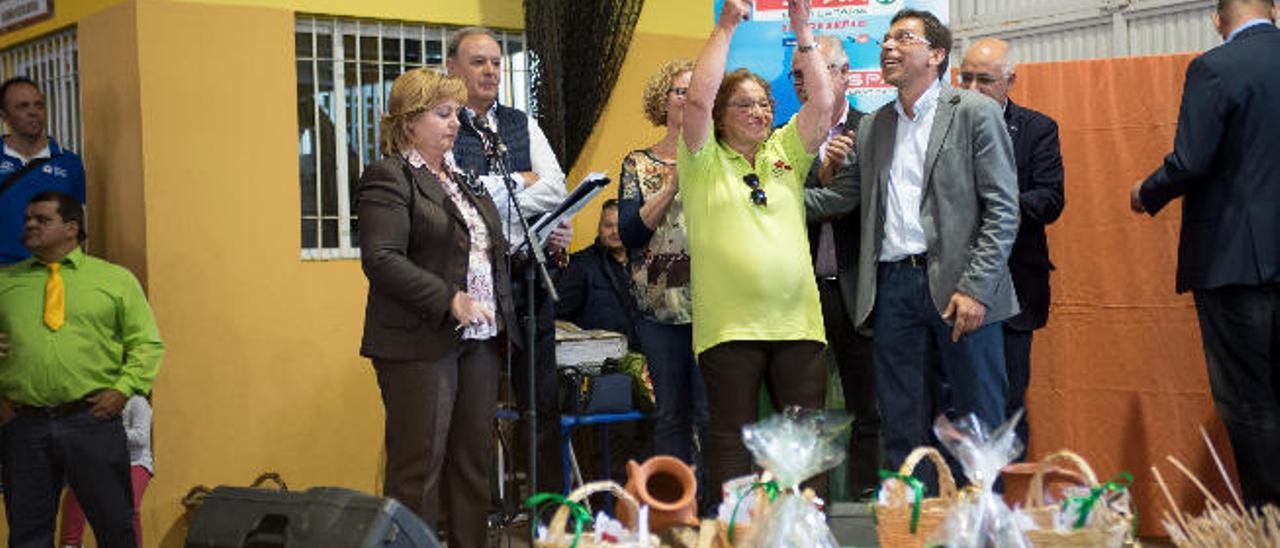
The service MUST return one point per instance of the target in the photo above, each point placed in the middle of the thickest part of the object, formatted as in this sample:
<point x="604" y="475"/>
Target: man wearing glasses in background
<point x="939" y="209"/>
<point x="988" y="70"/>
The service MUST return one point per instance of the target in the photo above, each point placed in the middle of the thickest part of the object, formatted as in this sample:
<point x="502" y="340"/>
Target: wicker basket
<point x="1112" y="533"/>
<point x="559" y="534"/>
<point x="893" y="519"/>
<point x="743" y="532"/>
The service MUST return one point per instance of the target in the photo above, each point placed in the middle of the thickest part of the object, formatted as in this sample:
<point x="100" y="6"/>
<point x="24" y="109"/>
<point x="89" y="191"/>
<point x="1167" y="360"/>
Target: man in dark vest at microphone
<point x="537" y="183"/>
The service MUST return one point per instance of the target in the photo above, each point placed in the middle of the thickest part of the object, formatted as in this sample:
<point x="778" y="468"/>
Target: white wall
<point x="1060" y="30"/>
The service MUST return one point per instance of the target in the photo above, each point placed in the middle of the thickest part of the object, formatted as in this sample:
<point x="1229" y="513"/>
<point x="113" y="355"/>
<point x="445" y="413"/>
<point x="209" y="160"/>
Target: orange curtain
<point x="1119" y="374"/>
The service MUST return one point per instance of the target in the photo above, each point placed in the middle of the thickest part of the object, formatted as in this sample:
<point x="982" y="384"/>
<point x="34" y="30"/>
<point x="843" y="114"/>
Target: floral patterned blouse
<point x="479" y="268"/>
<point x="659" y="257"/>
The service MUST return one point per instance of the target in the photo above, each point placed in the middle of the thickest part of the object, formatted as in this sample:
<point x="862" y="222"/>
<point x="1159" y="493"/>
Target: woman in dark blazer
<point x="439" y="307"/>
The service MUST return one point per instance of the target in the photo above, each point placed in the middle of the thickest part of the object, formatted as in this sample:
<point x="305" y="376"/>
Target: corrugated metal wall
<point x="1048" y="30"/>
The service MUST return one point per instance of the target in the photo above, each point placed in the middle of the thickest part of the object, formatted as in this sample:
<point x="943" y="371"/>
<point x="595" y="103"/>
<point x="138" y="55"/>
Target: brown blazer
<point x="414" y="248"/>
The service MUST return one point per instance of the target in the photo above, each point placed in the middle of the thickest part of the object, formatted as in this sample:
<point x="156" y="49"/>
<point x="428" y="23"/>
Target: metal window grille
<point x="53" y="62"/>
<point x="345" y="70"/>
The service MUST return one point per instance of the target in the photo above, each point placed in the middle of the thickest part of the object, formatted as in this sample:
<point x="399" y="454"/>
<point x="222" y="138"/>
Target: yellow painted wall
<point x="112" y="108"/>
<point x="262" y="371"/>
<point x="667" y="29"/>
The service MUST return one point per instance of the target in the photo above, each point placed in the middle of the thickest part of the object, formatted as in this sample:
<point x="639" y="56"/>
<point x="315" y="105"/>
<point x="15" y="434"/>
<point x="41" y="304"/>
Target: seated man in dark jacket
<point x="595" y="289"/>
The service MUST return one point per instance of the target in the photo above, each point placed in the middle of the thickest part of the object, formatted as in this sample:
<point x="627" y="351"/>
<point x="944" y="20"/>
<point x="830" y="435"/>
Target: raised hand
<point x="735" y="11"/>
<point x="798" y="12"/>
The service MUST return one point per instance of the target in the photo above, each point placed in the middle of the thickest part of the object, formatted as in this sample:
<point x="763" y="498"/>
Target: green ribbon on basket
<point x="1120" y="483"/>
<point x="771" y="490"/>
<point x="909" y="481"/>
<point x="577" y="511"/>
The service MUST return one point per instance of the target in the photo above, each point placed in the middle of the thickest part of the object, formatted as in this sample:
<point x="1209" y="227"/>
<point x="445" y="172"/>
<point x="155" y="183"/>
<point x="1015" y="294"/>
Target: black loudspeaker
<point x="321" y="517"/>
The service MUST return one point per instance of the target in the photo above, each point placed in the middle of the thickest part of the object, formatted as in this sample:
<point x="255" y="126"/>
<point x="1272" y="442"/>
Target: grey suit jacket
<point x="414" y="248"/>
<point x="969" y="209"/>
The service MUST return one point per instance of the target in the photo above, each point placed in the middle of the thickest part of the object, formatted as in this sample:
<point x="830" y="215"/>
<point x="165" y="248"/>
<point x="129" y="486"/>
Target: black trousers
<point x="439" y="433"/>
<point x="41" y="453"/>
<point x="1240" y="328"/>
<point x="734" y="372"/>
<point x="547" y="383"/>
<point x="852" y="354"/>
<point x="1017" y="363"/>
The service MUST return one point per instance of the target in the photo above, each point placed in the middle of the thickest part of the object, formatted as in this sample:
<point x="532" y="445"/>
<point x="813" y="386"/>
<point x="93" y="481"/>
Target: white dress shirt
<point x="540" y="197"/>
<point x="903" y="233"/>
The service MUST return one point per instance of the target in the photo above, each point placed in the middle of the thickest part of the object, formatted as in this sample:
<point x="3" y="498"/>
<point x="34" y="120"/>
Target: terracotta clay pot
<point x="667" y="485"/>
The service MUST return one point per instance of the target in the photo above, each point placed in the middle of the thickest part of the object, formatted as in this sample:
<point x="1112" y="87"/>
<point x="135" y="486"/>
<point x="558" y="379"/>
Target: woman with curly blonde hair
<point x="651" y="222"/>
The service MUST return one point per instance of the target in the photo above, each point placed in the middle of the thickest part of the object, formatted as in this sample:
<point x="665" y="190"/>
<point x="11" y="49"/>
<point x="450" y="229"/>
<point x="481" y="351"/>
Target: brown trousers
<point x="440" y="422"/>
<point x="733" y="372"/>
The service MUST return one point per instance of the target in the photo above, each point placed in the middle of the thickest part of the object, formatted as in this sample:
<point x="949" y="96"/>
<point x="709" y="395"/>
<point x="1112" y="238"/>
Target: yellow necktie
<point x="55" y="298"/>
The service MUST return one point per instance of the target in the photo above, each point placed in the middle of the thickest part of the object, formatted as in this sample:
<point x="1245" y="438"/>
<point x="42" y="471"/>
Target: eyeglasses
<point x="981" y="79"/>
<point x="903" y="37"/>
<point x="680" y="91"/>
<point x="763" y="104"/>
<point x="798" y="75"/>
<point x="757" y="193"/>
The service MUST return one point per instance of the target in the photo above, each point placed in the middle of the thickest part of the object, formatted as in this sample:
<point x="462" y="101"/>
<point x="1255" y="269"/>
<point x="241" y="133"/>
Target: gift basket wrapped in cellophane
<point x="981" y="518"/>
<point x="1094" y="514"/>
<point x="604" y="533"/>
<point x="791" y="446"/>
<point x="904" y="517"/>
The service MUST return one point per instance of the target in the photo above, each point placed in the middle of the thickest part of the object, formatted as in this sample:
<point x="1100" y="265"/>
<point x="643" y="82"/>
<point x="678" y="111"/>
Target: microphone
<point x="494" y="151"/>
<point x="490" y="137"/>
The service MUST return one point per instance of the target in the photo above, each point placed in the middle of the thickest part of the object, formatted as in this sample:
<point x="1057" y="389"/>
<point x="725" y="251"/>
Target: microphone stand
<point x="496" y="154"/>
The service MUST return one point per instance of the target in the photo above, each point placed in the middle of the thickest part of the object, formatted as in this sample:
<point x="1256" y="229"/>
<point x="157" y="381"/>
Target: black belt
<point x="914" y="261"/>
<point x="54" y="411"/>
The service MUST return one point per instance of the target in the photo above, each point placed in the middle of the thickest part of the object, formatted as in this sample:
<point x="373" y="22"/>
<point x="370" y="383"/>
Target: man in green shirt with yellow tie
<point x="79" y="340"/>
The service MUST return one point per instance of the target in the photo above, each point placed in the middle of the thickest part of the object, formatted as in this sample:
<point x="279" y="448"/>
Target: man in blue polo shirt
<point x="31" y="162"/>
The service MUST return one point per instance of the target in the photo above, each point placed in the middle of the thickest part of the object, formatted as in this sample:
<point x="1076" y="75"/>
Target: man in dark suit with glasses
<point x="988" y="69"/>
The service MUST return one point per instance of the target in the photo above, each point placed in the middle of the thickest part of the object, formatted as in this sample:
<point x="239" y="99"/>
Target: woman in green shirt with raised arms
<point x="756" y="313"/>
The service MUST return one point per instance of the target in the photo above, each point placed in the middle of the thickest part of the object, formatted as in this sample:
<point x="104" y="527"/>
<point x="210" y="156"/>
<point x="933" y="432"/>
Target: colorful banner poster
<point x="764" y="45"/>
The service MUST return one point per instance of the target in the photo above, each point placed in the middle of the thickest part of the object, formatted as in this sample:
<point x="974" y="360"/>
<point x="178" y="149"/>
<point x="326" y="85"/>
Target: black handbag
<point x="586" y="391"/>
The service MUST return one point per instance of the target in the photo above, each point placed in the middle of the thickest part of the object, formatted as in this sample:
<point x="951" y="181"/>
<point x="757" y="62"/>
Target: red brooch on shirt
<point x="779" y="167"/>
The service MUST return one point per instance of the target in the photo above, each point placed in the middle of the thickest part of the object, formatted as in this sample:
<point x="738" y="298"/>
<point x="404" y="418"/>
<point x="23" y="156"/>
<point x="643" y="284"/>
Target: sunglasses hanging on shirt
<point x="757" y="194"/>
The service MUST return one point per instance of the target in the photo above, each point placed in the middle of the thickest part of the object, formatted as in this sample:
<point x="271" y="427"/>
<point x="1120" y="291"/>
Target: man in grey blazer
<point x="939" y="213"/>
